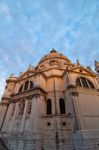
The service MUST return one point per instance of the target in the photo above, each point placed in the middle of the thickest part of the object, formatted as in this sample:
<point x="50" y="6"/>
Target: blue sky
<point x="31" y="28"/>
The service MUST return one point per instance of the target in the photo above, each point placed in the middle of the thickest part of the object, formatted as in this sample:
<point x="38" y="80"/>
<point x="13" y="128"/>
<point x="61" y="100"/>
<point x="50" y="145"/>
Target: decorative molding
<point x="5" y="98"/>
<point x="71" y="87"/>
<point x="74" y="93"/>
<point x="28" y="94"/>
<point x="4" y="103"/>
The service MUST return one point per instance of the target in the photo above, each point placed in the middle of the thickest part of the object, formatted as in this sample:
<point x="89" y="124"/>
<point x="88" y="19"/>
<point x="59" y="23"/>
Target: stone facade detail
<point x="54" y="105"/>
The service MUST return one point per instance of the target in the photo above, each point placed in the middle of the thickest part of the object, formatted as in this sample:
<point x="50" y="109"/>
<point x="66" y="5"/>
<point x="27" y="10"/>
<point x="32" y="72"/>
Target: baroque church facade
<point x="53" y="106"/>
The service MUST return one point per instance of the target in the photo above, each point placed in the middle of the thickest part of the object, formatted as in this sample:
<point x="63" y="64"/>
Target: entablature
<point x="75" y="90"/>
<point x="38" y="91"/>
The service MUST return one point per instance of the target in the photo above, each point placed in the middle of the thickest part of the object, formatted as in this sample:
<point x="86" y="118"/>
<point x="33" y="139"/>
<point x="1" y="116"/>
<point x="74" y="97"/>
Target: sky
<point x="29" y="29"/>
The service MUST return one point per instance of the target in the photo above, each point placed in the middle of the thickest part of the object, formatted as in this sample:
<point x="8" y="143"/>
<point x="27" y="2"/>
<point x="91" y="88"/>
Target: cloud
<point x="4" y="10"/>
<point x="30" y="29"/>
<point x="2" y="86"/>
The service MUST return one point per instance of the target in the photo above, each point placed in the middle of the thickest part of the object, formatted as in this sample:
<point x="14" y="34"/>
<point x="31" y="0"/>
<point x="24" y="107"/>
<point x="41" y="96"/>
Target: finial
<point x="53" y="50"/>
<point x="78" y="62"/>
<point x="95" y="62"/>
<point x="21" y="73"/>
<point x="89" y="68"/>
<point x="11" y="74"/>
<point x="30" y="67"/>
<point x="97" y="66"/>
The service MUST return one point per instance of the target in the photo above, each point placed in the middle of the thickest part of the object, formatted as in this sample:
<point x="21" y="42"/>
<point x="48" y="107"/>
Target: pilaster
<point x="33" y="114"/>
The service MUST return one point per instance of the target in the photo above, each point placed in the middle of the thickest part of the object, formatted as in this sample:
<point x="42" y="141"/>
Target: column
<point x="75" y="99"/>
<point x="37" y="113"/>
<point x="33" y="114"/>
<point x="24" y="115"/>
<point x="41" y="111"/>
<point x="42" y="105"/>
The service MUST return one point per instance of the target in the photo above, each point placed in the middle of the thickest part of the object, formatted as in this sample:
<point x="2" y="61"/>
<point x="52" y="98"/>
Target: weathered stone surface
<point x="54" y="106"/>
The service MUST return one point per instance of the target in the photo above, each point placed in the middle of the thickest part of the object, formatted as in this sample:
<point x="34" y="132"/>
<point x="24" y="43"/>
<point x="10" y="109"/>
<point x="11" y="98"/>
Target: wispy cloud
<point x="4" y="11"/>
<point x="2" y="86"/>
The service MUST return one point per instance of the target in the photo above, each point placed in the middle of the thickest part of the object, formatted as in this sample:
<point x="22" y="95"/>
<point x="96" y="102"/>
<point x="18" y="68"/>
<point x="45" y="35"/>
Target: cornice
<point x="32" y="75"/>
<point x="73" y="70"/>
<point x="77" y="89"/>
<point x="28" y="93"/>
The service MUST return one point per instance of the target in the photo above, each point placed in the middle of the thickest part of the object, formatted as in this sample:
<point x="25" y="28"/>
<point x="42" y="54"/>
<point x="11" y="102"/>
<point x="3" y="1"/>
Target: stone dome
<point x="54" y="54"/>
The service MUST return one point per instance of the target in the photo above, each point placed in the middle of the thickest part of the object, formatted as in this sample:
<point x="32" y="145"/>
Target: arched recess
<point x="62" y="106"/>
<point x="49" y="107"/>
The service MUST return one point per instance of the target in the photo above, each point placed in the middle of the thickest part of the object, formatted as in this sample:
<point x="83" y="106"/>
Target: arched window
<point x="78" y="83"/>
<point x="84" y="83"/>
<point x="21" y="88"/>
<point x="62" y="106"/>
<point x="49" y="107"/>
<point x="26" y="85"/>
<point x="31" y="85"/>
<point x="90" y="84"/>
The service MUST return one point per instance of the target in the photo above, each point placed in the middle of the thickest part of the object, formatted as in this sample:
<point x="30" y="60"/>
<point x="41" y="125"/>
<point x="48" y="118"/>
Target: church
<point x="52" y="106"/>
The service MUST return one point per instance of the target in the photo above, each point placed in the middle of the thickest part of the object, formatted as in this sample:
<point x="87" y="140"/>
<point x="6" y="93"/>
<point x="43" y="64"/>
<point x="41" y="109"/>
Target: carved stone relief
<point x="13" y="109"/>
<point x="29" y="107"/>
<point x="17" y="124"/>
<point x="21" y="108"/>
